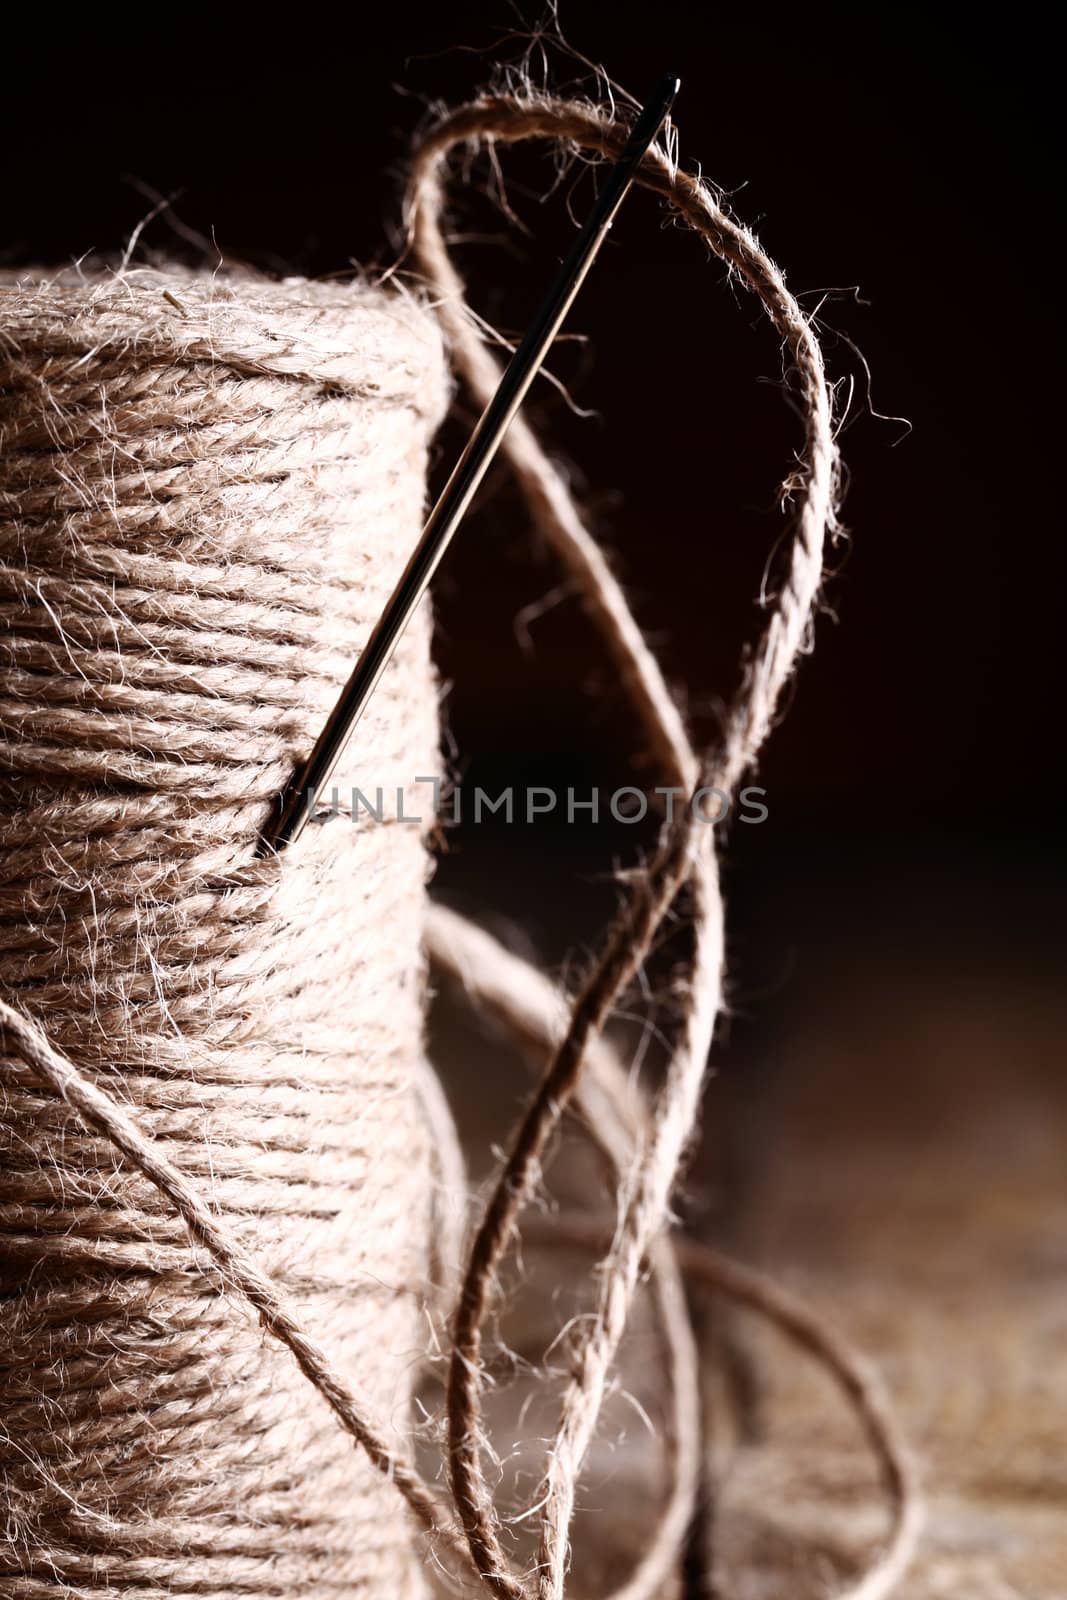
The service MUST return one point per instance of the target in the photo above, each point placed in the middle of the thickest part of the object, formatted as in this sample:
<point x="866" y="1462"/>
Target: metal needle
<point x="296" y="805"/>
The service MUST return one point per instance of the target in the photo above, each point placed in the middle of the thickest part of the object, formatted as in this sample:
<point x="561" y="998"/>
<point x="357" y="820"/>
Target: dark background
<point x="896" y="159"/>
<point x="902" y="154"/>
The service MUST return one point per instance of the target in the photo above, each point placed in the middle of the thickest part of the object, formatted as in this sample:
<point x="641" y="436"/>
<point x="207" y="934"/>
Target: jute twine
<point x="310" y="995"/>
<point x="685" y="860"/>
<point x="206" y="492"/>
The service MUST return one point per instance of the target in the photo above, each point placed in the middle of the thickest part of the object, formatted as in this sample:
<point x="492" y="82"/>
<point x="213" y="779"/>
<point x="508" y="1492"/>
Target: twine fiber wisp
<point x="640" y="1139"/>
<point x="207" y="490"/>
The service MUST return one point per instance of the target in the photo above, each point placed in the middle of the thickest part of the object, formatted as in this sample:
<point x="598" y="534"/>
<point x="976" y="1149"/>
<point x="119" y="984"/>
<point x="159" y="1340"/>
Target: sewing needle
<point x="295" y="806"/>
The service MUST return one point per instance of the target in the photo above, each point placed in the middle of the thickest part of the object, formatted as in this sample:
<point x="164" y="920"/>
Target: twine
<point x="643" y="1144"/>
<point x="207" y="490"/>
<point x="686" y="852"/>
<point x="502" y="986"/>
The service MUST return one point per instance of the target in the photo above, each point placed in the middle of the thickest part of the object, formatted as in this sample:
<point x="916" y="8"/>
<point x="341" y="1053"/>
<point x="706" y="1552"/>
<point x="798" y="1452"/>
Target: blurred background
<point x="886" y="1126"/>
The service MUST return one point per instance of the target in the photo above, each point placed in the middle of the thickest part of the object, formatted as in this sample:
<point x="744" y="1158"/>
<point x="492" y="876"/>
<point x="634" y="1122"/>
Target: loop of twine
<point x="643" y="1144"/>
<point x="685" y="855"/>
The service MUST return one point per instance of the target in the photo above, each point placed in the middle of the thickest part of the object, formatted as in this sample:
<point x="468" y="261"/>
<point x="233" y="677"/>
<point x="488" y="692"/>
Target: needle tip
<point x="662" y="98"/>
<point x="651" y="118"/>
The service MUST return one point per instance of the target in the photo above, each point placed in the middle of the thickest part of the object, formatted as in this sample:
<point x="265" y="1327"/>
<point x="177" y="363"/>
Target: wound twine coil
<point x="207" y="491"/>
<point x="166" y="969"/>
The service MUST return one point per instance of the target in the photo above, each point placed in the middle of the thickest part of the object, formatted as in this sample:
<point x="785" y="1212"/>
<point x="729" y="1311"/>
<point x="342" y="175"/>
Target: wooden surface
<point x="913" y="1185"/>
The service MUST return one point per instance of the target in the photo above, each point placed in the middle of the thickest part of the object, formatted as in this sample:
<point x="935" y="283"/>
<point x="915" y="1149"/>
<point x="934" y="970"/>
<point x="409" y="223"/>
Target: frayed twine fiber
<point x="641" y="1144"/>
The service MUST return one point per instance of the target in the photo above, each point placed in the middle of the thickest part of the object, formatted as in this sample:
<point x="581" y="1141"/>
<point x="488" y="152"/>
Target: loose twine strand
<point x="644" y="1147"/>
<point x="501" y="985"/>
<point x="684" y="855"/>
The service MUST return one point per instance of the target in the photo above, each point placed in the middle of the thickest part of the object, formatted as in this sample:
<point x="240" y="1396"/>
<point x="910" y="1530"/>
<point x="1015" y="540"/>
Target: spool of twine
<point x="207" y="490"/>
